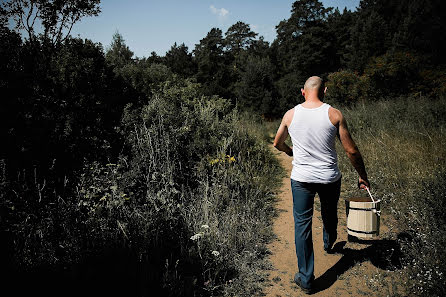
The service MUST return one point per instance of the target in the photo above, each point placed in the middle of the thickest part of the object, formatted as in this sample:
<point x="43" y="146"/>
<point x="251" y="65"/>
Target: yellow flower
<point x="214" y="161"/>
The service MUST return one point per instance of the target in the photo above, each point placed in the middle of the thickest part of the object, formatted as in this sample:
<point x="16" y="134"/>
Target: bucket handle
<point x="378" y="212"/>
<point x="367" y="188"/>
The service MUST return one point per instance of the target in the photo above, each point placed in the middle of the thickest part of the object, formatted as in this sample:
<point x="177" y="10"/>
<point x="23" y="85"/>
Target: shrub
<point x="432" y="83"/>
<point x="185" y="210"/>
<point x="394" y="73"/>
<point x="191" y="155"/>
<point x="347" y="87"/>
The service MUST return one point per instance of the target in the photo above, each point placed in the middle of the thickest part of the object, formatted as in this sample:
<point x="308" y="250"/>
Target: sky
<point x="154" y="25"/>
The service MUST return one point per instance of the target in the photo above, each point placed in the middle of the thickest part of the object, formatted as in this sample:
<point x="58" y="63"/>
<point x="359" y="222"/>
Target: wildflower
<point x="214" y="161"/>
<point x="197" y="236"/>
<point x="216" y="253"/>
<point x="231" y="159"/>
<point x="205" y="226"/>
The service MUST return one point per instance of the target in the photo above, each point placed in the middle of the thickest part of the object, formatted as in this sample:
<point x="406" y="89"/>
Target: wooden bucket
<point x="363" y="217"/>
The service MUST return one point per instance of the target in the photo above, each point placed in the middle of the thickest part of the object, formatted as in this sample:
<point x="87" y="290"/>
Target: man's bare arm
<point x="352" y="151"/>
<point x="281" y="135"/>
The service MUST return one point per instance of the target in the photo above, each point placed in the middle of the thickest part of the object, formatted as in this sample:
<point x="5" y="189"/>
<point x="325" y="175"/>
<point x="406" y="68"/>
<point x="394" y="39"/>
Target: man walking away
<point x="313" y="127"/>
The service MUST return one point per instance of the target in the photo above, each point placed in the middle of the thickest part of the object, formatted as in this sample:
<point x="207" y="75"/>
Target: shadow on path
<point x="385" y="254"/>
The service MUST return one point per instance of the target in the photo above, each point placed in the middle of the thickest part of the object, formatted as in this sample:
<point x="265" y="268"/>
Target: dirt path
<point x="348" y="274"/>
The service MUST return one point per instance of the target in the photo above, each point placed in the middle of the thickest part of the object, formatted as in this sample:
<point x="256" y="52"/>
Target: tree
<point x="338" y="25"/>
<point x="259" y="47"/>
<point x="254" y="89"/>
<point x="302" y="48"/>
<point x="421" y="26"/>
<point x="154" y="58"/>
<point x="211" y="47"/>
<point x="370" y="36"/>
<point x="304" y="14"/>
<point x="179" y="60"/>
<point x="56" y="17"/>
<point x="118" y="54"/>
<point x="302" y="37"/>
<point x="238" y="37"/>
<point x="213" y="71"/>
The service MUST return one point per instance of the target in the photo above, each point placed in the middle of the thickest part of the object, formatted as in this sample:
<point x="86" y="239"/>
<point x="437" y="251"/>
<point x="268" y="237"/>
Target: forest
<point x="143" y="176"/>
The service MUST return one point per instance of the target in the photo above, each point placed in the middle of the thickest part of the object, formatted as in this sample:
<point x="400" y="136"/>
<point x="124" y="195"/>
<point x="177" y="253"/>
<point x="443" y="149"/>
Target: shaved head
<point x="314" y="83"/>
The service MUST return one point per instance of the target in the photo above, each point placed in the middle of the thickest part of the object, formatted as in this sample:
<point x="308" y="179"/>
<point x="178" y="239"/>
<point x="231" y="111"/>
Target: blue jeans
<point x="303" y="200"/>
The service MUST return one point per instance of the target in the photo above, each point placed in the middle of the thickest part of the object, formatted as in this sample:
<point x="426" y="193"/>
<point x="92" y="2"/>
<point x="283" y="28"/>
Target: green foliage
<point x="188" y="162"/>
<point x="145" y="77"/>
<point x="302" y="38"/>
<point x="66" y="107"/>
<point x="238" y="37"/>
<point x="56" y="17"/>
<point x="213" y="72"/>
<point x="368" y="38"/>
<point x="118" y="54"/>
<point x="432" y="82"/>
<point x="402" y="144"/>
<point x="288" y="87"/>
<point x="254" y="90"/>
<point x="347" y="87"/>
<point x="395" y="73"/>
<point x="303" y="47"/>
<point x="190" y="169"/>
<point x="180" y="61"/>
<point x="339" y="31"/>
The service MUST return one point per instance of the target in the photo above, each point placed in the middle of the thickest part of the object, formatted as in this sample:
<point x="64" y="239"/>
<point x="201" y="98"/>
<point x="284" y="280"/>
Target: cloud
<point x="221" y="12"/>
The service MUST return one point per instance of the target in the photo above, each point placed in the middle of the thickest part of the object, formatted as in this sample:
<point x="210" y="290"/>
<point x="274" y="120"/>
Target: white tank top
<point x="314" y="152"/>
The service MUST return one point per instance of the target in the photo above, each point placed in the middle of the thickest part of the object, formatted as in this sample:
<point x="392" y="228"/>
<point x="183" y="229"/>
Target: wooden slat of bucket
<point x="362" y="221"/>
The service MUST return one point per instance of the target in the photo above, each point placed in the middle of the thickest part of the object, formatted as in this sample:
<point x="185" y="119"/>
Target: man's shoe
<point x="299" y="284"/>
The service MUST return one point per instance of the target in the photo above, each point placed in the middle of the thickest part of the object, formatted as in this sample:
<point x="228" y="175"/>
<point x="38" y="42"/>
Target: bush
<point x="185" y="210"/>
<point x="394" y="73"/>
<point x="190" y="155"/>
<point x="347" y="87"/>
<point x="432" y="83"/>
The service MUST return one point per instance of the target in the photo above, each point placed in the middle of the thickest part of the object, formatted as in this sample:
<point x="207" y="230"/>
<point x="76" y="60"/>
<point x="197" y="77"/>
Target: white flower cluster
<point x="216" y="253"/>
<point x="197" y="236"/>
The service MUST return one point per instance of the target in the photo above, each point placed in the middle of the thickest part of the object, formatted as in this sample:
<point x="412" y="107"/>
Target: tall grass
<point x="402" y="141"/>
<point x="186" y="210"/>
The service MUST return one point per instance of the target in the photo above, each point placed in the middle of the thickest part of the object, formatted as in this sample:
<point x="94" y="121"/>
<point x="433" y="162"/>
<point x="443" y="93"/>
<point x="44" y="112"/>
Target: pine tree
<point x="118" y="54"/>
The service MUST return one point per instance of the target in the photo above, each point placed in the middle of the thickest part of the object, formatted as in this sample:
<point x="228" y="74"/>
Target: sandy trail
<point x="336" y="274"/>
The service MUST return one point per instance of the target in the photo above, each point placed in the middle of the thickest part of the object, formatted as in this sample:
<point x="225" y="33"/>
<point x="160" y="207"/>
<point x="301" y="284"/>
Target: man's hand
<point x="363" y="183"/>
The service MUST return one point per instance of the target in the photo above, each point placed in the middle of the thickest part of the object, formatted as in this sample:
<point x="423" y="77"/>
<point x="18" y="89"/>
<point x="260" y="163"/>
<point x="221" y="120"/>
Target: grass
<point x="402" y="142"/>
<point x="185" y="210"/>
